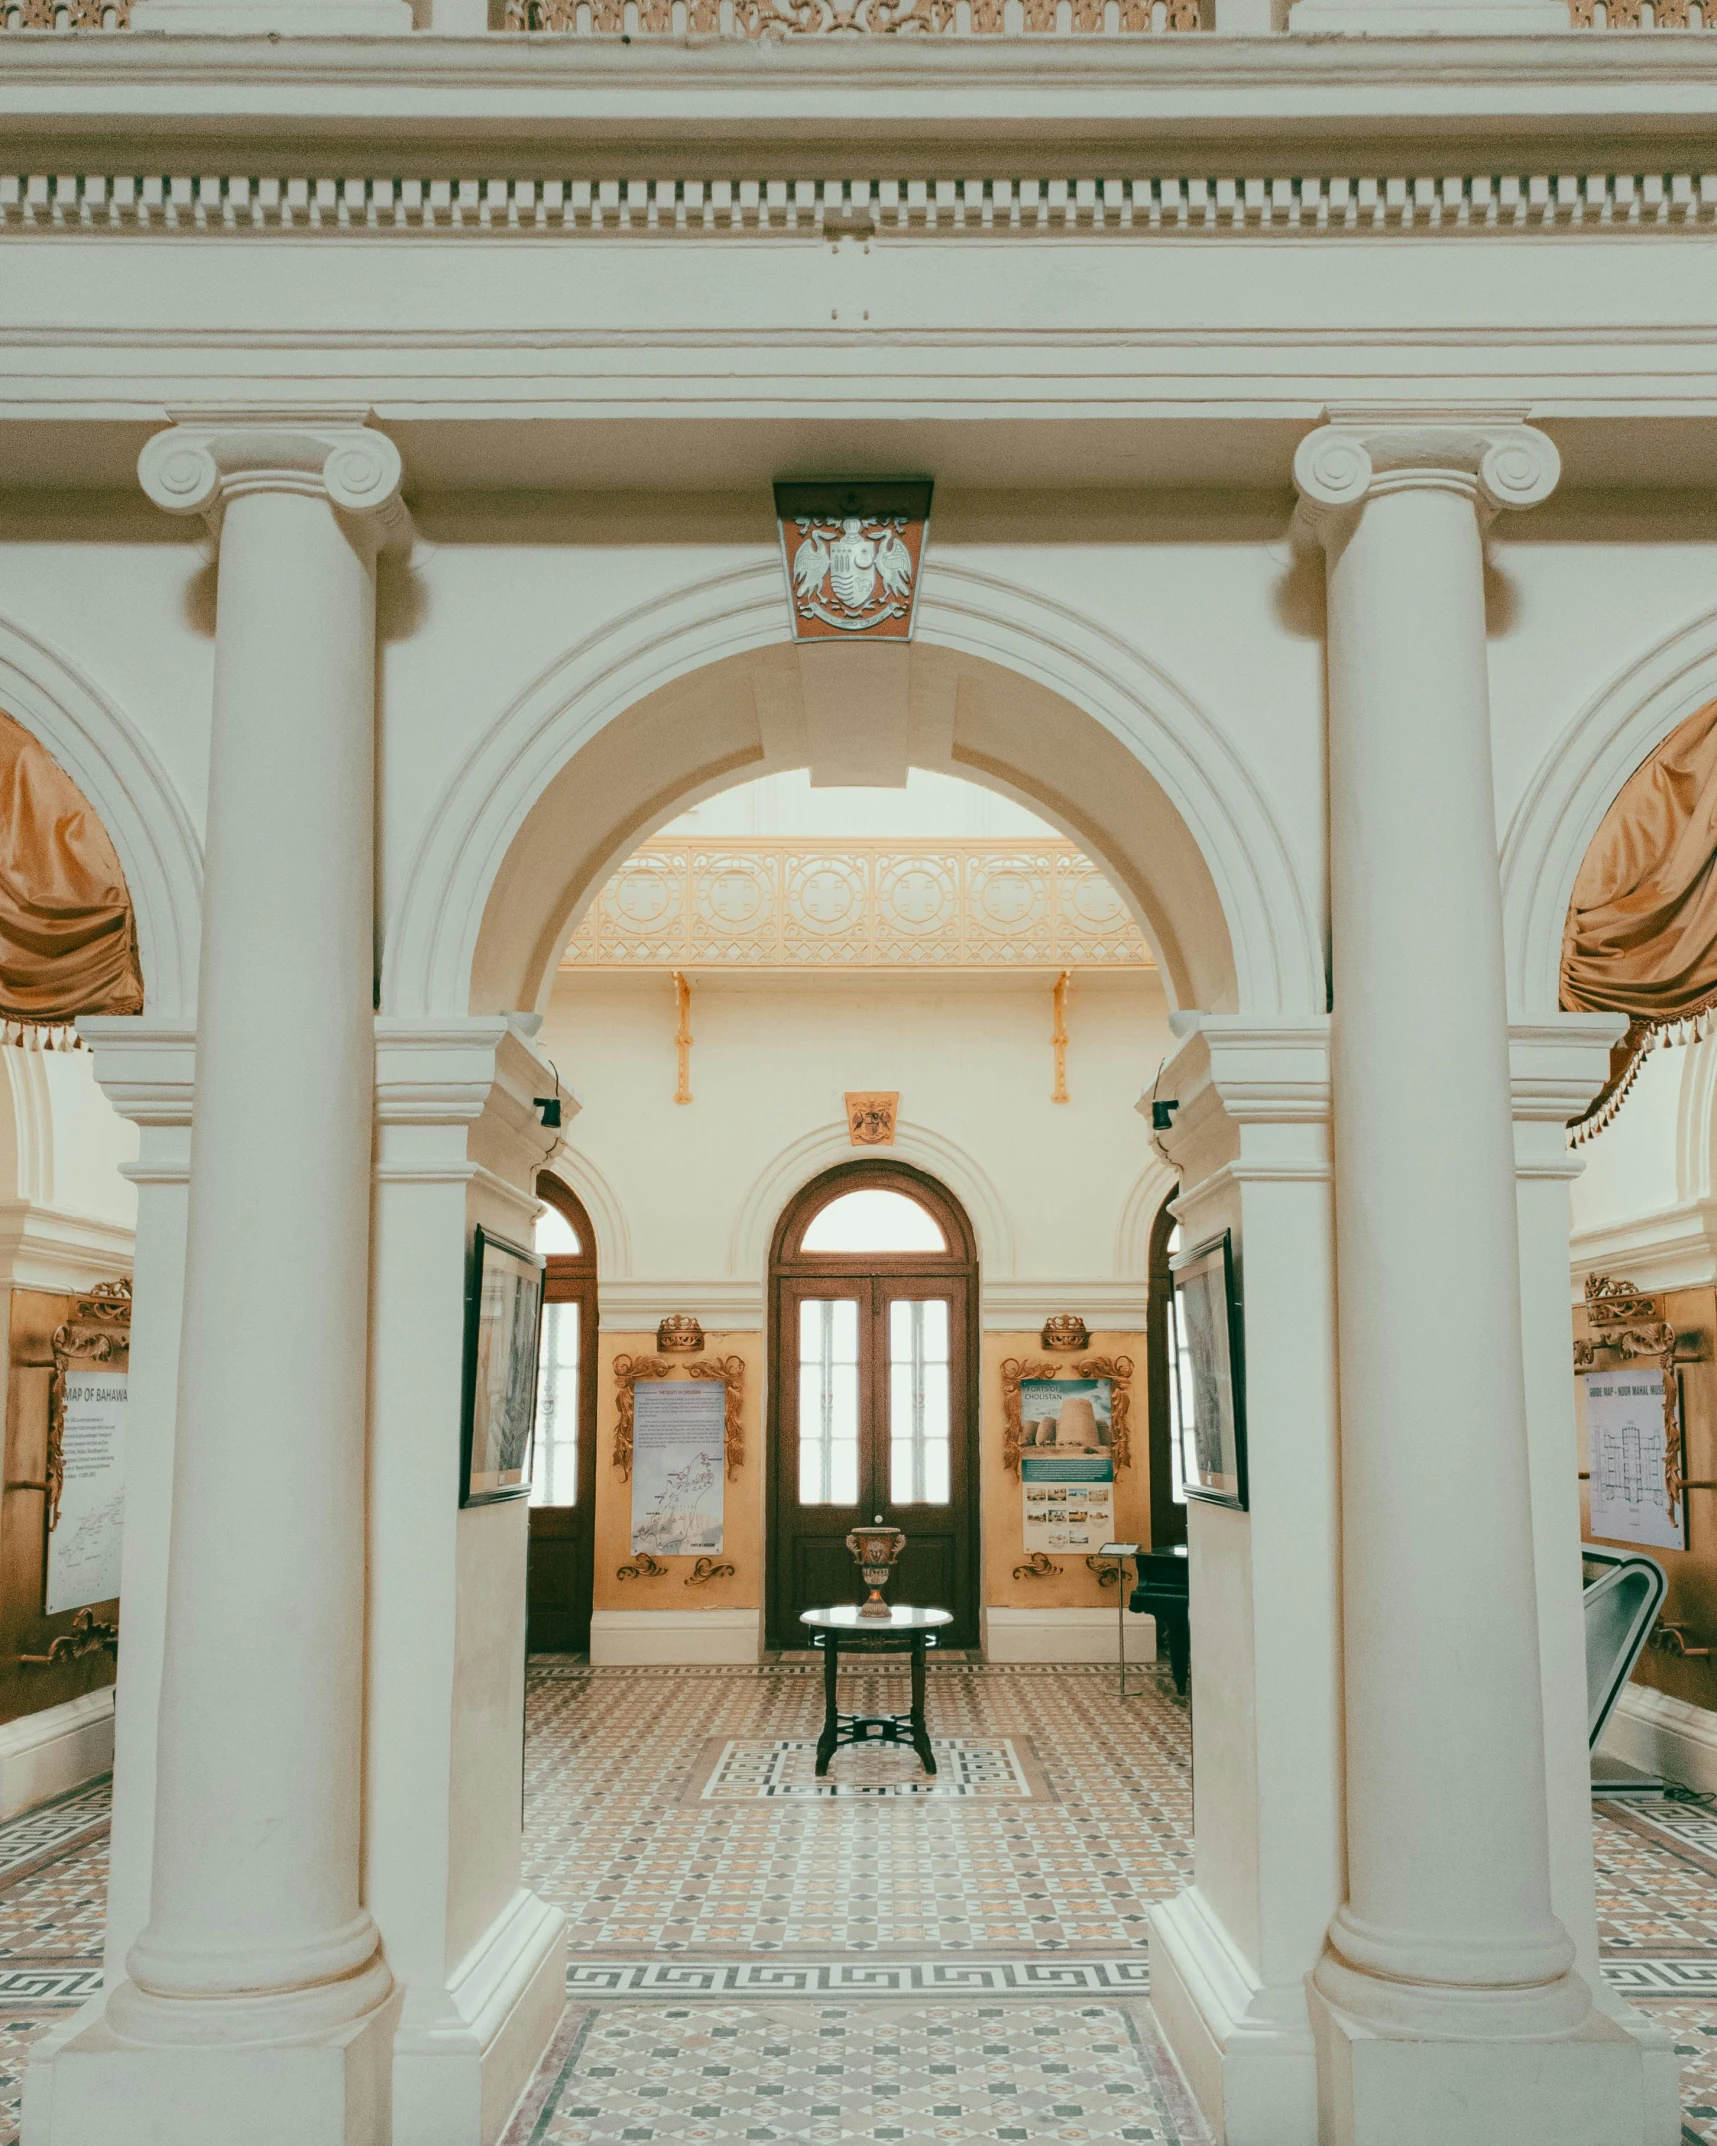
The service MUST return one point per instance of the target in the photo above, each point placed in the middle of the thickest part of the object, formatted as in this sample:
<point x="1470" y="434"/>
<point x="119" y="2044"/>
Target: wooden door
<point x="873" y="1407"/>
<point x="562" y="1561"/>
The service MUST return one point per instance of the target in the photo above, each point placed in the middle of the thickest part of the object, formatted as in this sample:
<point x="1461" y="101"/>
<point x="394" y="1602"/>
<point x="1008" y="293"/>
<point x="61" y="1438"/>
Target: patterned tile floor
<point x="757" y="1957"/>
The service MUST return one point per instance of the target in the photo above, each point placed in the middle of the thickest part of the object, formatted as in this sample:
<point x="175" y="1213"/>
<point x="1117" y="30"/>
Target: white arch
<point x="782" y="1179"/>
<point x="433" y="938"/>
<point x="1138" y="1216"/>
<point x="613" y="1245"/>
<point x="1575" y="785"/>
<point x="114" y="766"/>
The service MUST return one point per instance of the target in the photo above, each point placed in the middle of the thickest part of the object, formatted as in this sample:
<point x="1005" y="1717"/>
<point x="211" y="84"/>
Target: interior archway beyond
<point x="969" y="717"/>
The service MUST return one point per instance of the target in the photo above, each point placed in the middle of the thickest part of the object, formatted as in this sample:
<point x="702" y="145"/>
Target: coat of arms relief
<point x="853" y="553"/>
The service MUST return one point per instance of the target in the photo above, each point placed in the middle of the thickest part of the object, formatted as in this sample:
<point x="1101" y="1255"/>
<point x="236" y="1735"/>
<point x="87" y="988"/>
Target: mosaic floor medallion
<point x="991" y="1768"/>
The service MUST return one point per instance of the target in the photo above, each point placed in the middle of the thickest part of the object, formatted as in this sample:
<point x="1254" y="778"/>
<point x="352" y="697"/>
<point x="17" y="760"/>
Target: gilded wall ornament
<point x="1065" y="1330"/>
<point x="1118" y="1370"/>
<point x="679" y="1335"/>
<point x="99" y="1331"/>
<point x="871" y="1119"/>
<point x="729" y="1371"/>
<point x="1039" y="1566"/>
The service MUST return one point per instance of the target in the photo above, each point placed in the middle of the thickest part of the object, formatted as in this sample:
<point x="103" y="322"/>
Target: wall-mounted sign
<point x="678" y="1467"/>
<point x="89" y="1525"/>
<point x="1067" y="1467"/>
<point x="854" y="552"/>
<point x="1632" y="1436"/>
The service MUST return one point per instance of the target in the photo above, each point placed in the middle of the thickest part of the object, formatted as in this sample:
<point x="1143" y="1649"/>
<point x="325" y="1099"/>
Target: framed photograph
<point x="1210" y="1374"/>
<point x="503" y="1315"/>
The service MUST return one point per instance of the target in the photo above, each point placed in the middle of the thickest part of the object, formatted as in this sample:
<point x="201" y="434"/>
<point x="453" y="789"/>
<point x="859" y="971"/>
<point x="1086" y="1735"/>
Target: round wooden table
<point x="903" y="1630"/>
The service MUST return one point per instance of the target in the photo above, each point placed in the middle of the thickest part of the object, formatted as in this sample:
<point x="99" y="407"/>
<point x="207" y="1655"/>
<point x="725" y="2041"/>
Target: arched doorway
<point x="1162" y="1373"/>
<point x="873" y="1393"/>
<point x="561" y="1569"/>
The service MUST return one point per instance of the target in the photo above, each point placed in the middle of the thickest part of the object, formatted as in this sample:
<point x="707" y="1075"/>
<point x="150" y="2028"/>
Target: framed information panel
<point x="86" y="1451"/>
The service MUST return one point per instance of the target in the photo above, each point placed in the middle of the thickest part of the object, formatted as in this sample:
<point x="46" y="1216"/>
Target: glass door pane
<point x="828" y="1401"/>
<point x="554" y="1469"/>
<point x="918" y="1422"/>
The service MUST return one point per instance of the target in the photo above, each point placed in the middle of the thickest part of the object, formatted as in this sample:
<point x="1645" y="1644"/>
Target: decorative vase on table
<point x="876" y="1550"/>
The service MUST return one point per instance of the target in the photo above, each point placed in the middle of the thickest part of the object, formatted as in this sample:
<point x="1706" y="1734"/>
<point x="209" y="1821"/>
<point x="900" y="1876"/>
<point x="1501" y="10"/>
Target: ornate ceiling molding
<point x="751" y="905"/>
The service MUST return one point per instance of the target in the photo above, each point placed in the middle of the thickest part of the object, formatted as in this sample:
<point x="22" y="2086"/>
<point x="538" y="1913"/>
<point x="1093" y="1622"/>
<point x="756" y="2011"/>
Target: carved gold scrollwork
<point x="1039" y="1566"/>
<point x="708" y="1568"/>
<point x="87" y="1636"/>
<point x="729" y="1371"/>
<point x="642" y="1567"/>
<point x="1118" y="1370"/>
<point x="99" y="1331"/>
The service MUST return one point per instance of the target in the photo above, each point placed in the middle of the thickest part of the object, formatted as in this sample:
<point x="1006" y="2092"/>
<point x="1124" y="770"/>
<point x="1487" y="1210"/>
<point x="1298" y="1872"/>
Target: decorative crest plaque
<point x="871" y="1119"/>
<point x="854" y="551"/>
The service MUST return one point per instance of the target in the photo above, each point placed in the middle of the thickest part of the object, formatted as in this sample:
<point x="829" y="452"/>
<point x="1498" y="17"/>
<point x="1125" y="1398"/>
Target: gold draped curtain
<point x="68" y="941"/>
<point x="1641" y="935"/>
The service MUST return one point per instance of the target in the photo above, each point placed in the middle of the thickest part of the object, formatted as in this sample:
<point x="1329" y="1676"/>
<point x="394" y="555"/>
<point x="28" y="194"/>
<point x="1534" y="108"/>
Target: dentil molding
<point x="1285" y="204"/>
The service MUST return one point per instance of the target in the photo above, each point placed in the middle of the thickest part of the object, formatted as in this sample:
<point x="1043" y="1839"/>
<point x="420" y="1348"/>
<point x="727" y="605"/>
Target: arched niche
<point x="1000" y="687"/>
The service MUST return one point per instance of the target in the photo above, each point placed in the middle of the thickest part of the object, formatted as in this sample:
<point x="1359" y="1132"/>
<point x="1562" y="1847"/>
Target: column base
<point x="1606" y="2083"/>
<point x="86" y="2087"/>
<point x="464" y="2054"/>
<point x="1246" y="2049"/>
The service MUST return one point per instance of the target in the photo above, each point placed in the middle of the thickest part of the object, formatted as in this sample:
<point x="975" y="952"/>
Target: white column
<point x="1447" y="1936"/>
<point x="257" y="1940"/>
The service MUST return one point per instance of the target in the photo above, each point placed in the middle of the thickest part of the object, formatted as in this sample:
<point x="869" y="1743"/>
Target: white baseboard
<point x="55" y="1751"/>
<point x="621" y="1639"/>
<point x="1662" y="1735"/>
<point x="465" y="2053"/>
<point x="1065" y="1635"/>
<point x="1245" y="2051"/>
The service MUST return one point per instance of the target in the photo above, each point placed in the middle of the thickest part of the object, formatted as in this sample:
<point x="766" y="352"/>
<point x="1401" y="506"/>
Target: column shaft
<point x="1448" y="1876"/>
<point x="255" y="1899"/>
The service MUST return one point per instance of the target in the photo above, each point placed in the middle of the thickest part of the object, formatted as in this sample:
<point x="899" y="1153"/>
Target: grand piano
<point x="1162" y="1593"/>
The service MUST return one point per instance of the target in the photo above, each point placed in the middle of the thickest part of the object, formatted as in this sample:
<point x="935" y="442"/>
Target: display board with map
<point x="678" y="1467"/>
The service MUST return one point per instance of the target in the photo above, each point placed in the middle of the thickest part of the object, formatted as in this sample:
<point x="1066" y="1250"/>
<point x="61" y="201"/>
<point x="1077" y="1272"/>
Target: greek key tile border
<point x="849" y="1978"/>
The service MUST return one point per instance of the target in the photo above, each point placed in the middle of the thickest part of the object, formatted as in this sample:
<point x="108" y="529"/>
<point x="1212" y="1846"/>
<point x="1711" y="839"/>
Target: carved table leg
<point x="831" y="1712"/>
<point x="920" y="1734"/>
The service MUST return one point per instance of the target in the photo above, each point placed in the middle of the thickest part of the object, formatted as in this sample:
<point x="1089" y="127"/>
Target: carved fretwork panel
<point x="857" y="905"/>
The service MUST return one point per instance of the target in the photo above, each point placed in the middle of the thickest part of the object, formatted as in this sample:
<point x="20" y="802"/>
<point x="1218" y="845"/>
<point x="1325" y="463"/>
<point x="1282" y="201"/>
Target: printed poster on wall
<point x="83" y="1549"/>
<point x="679" y="1464"/>
<point x="1067" y="1467"/>
<point x="1625" y="1456"/>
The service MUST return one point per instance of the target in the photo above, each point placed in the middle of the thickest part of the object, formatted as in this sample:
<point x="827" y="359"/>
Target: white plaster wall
<point x="1642" y="1207"/>
<point x="67" y="1216"/>
<point x="772" y="1060"/>
<point x="148" y="644"/>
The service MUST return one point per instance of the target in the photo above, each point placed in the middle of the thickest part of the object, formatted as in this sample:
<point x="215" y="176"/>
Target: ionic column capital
<point x="1492" y="457"/>
<point x="207" y="459"/>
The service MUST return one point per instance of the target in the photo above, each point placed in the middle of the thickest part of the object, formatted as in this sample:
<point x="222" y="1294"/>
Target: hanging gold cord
<point x="1058" y="1036"/>
<point x="683" y="1036"/>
